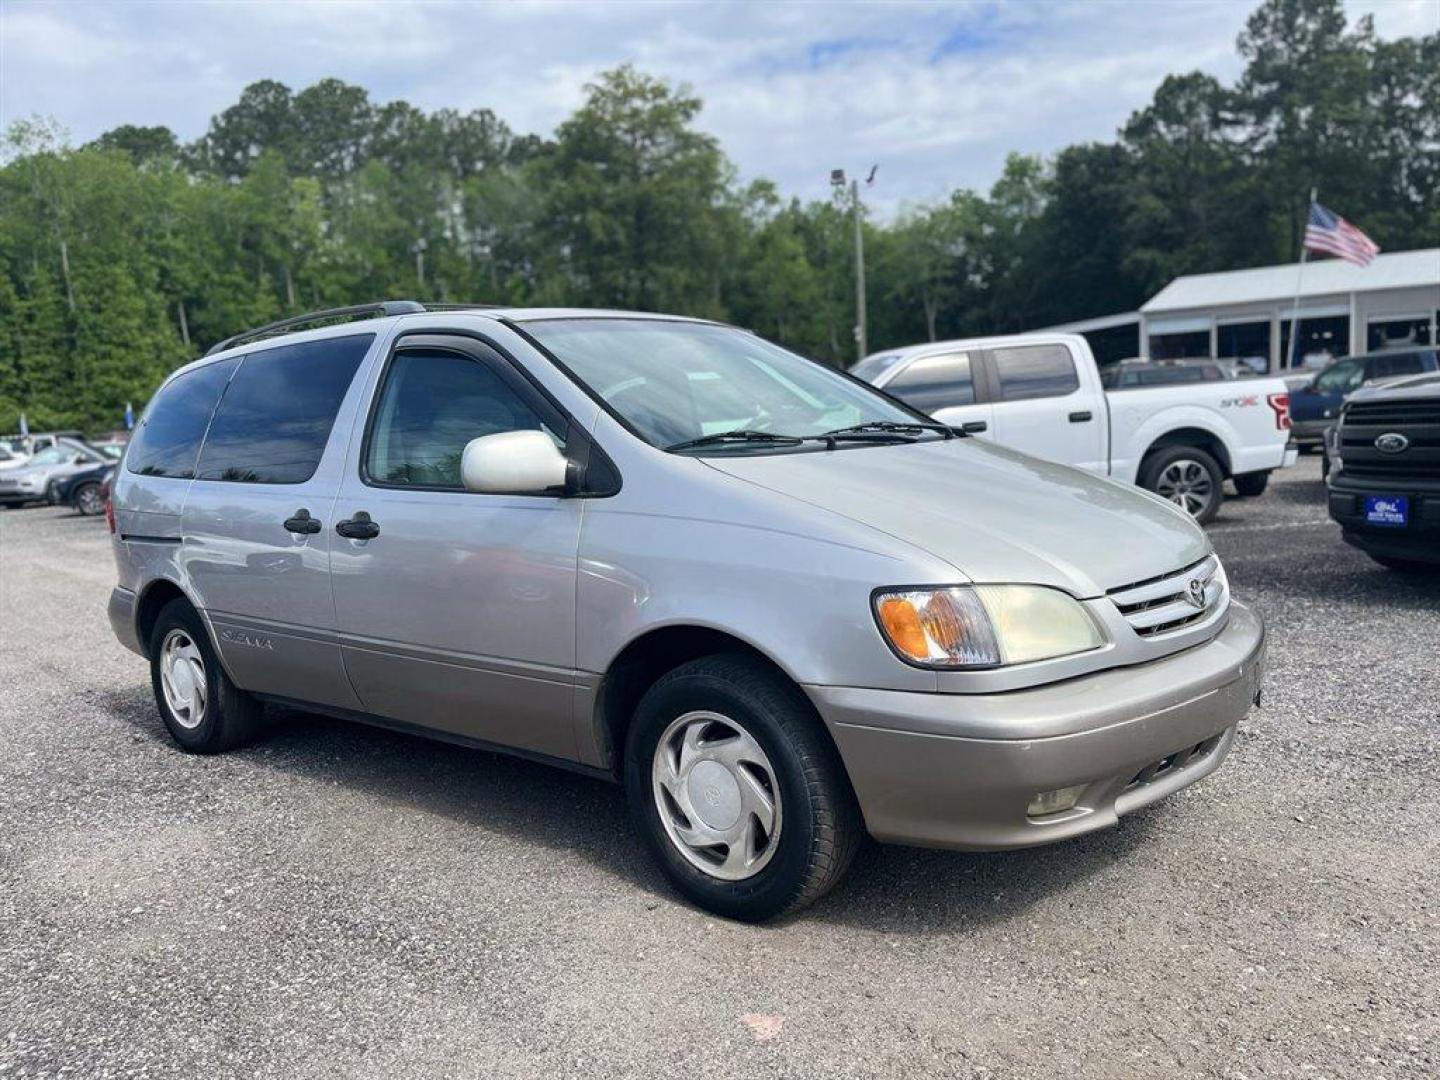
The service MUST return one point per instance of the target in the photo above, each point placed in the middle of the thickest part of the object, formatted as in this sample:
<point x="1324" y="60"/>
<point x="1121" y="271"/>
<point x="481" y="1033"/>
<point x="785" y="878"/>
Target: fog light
<point x="1053" y="802"/>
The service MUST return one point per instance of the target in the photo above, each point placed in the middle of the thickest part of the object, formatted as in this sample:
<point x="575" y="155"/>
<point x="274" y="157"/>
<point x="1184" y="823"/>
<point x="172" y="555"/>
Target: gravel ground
<point x="347" y="901"/>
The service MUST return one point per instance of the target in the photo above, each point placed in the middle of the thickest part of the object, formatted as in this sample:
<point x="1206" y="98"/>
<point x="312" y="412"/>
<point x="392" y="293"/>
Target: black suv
<point x="1385" y="475"/>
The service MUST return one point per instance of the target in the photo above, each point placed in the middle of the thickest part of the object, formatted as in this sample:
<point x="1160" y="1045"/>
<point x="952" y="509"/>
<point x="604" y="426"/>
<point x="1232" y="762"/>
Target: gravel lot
<point x="346" y="901"/>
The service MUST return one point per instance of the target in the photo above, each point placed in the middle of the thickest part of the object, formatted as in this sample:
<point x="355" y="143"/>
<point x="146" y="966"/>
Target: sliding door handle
<point x="360" y="527"/>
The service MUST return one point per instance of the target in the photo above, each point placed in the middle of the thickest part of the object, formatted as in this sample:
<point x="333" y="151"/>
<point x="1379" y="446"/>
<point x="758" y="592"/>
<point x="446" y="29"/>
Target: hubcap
<point x="717" y="795"/>
<point x="182" y="679"/>
<point x="89" y="500"/>
<point x="1188" y="485"/>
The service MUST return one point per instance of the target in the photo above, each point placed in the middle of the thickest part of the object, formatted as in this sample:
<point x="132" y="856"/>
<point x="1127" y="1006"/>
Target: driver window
<point x="432" y="404"/>
<point x="1340" y="379"/>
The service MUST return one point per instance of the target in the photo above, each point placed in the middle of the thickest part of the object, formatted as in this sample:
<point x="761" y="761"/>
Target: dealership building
<point x="1247" y="314"/>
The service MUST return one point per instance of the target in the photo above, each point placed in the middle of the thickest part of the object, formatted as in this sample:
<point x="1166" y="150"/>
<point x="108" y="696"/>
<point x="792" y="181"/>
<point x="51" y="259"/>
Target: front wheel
<point x="203" y="710"/>
<point x="1188" y="477"/>
<point x="737" y="790"/>
<point x="1252" y="484"/>
<point x="87" y="499"/>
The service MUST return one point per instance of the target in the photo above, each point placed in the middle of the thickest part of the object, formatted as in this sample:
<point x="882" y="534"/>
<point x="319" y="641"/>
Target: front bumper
<point x="1417" y="541"/>
<point x="959" y="771"/>
<point x="1311" y="432"/>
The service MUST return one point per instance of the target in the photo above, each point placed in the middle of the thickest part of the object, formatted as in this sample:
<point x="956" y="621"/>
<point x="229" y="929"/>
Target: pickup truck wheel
<point x="737" y="791"/>
<point x="1188" y="477"/>
<point x="1252" y="484"/>
<point x="203" y="710"/>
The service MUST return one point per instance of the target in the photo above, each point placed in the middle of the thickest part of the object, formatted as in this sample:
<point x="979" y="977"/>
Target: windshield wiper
<point x="895" y="427"/>
<point x="741" y="436"/>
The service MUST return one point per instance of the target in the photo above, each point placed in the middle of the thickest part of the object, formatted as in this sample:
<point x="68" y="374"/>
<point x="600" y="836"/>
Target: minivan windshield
<point x="675" y="382"/>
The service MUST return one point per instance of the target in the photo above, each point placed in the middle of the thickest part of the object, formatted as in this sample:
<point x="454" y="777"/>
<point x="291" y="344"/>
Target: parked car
<point x="11" y="459"/>
<point x="1129" y="374"/>
<point x="110" y="448"/>
<point x="84" y="490"/>
<point x="1384" y="478"/>
<point x="1041" y="394"/>
<point x="36" y="480"/>
<point x="541" y="531"/>
<point x="1316" y="403"/>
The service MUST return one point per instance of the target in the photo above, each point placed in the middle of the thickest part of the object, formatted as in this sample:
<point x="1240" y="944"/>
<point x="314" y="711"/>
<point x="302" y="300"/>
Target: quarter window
<point x="935" y="382"/>
<point x="170" y="432"/>
<point x="275" y="418"/>
<point x="1035" y="371"/>
<point x="433" y="403"/>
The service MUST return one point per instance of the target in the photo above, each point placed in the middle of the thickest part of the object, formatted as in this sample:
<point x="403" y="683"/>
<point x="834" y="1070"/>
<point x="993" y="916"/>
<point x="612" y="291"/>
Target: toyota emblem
<point x="1392" y="442"/>
<point x="1195" y="593"/>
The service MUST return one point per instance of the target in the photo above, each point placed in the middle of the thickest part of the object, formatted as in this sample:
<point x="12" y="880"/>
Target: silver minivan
<point x="779" y="606"/>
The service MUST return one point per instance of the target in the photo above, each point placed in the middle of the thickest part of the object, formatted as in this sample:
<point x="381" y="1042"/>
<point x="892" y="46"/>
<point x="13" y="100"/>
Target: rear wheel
<point x="1252" y="484"/>
<point x="203" y="710"/>
<point x="87" y="499"/>
<point x="738" y="792"/>
<point x="1188" y="477"/>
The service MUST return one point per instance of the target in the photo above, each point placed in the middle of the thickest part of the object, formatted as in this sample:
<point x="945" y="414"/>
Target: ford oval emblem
<point x="1392" y="442"/>
<point x="1195" y="593"/>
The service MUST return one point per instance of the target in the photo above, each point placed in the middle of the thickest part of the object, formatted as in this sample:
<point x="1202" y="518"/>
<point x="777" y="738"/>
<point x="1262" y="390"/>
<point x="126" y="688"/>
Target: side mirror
<point x="79" y="459"/>
<point x="513" y="463"/>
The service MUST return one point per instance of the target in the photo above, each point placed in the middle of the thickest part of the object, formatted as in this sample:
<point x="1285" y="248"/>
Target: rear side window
<point x="433" y="403"/>
<point x="1385" y="367"/>
<point x="276" y="415"/>
<point x="1035" y="371"/>
<point x="169" y="436"/>
<point x="935" y="382"/>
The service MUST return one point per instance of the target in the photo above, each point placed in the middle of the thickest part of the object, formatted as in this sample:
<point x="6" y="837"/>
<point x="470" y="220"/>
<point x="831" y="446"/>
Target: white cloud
<point x="935" y="93"/>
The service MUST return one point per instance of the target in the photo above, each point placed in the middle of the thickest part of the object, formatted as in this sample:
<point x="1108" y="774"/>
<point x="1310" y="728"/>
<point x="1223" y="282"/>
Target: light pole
<point x="837" y="181"/>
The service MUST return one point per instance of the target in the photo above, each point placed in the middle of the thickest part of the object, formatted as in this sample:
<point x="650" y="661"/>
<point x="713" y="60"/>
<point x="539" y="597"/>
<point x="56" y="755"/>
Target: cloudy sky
<point x="936" y="94"/>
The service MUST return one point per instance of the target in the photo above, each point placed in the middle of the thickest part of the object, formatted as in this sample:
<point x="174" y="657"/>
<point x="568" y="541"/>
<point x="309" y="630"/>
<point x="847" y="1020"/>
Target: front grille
<point x="1161" y="605"/>
<point x="1422" y="411"/>
<point x="1173" y="762"/>
<point x="1418" y="419"/>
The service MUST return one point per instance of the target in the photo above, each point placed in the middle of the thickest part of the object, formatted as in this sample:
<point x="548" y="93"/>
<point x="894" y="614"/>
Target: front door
<point x="1042" y="407"/>
<point x="458" y="614"/>
<point x="255" y="524"/>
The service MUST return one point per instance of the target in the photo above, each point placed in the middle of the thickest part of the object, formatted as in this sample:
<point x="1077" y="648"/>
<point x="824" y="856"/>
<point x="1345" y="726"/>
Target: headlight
<point x="980" y="626"/>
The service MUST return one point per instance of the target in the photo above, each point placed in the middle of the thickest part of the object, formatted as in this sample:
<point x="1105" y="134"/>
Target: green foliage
<point x="132" y="254"/>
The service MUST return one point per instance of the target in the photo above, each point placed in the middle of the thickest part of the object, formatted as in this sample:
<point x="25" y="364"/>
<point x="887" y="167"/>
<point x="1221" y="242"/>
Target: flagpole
<point x="1294" y="350"/>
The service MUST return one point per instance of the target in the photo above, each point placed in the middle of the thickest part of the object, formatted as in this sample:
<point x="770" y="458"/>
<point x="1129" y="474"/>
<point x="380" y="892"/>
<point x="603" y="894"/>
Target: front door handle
<point x="1080" y="417"/>
<point x="303" y="523"/>
<point x="972" y="427"/>
<point x="360" y="527"/>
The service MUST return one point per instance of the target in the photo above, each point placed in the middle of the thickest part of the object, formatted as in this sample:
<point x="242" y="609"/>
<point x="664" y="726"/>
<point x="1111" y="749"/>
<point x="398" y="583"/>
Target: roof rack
<point x="377" y="309"/>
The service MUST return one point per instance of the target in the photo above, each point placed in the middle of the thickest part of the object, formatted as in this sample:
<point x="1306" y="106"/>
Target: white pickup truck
<point x="1041" y="394"/>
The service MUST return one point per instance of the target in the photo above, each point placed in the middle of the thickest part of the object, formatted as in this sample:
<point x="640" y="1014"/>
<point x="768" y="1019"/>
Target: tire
<point x="753" y="733"/>
<point x="52" y="494"/>
<point x="1183" y="470"/>
<point x="1252" y="484"/>
<point x="1408" y="566"/>
<point x="1325" y="467"/>
<point x="87" y="500"/>
<point x="223" y="716"/>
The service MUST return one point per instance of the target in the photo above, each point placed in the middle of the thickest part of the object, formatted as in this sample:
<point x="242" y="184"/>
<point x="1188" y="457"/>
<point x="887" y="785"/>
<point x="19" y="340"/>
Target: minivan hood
<point x="993" y="514"/>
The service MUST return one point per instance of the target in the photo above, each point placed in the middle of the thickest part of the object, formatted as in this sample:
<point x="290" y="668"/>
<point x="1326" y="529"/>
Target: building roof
<point x="1321" y="277"/>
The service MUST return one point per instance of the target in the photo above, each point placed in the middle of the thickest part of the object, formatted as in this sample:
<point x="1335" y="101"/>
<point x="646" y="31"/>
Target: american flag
<point x="1328" y="231"/>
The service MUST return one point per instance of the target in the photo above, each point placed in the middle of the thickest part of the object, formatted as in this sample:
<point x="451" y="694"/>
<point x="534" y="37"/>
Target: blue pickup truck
<point x="1315" y="405"/>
